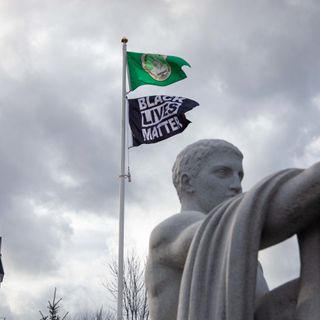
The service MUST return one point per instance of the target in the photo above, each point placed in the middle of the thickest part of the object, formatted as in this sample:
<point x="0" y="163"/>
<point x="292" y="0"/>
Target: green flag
<point x="154" y="69"/>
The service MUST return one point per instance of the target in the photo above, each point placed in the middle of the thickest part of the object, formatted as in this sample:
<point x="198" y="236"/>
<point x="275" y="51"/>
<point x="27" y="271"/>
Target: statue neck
<point x="187" y="205"/>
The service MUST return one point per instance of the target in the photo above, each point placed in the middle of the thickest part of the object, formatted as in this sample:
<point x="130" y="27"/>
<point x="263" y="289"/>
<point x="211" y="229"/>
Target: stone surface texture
<point x="202" y="262"/>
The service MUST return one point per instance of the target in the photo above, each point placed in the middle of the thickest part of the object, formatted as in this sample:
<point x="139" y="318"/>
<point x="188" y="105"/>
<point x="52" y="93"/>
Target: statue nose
<point x="236" y="184"/>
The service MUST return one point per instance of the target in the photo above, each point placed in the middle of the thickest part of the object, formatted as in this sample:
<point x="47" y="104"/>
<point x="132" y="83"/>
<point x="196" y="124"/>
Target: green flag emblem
<point x="157" y="66"/>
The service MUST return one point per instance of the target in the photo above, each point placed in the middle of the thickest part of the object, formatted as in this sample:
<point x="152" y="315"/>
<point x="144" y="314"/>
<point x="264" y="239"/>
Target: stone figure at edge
<point x="202" y="262"/>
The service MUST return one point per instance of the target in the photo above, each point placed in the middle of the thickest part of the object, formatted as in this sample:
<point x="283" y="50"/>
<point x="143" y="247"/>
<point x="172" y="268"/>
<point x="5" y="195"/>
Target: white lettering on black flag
<point x="156" y="118"/>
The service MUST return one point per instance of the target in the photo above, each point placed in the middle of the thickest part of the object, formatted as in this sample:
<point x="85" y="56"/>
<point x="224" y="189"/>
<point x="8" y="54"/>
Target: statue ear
<point x="186" y="183"/>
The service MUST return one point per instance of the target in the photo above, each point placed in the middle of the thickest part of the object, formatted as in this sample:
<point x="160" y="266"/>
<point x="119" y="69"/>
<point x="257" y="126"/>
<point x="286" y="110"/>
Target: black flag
<point x="156" y="118"/>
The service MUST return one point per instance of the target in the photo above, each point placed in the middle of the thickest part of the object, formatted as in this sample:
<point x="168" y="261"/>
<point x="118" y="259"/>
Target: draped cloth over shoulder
<point x="219" y="277"/>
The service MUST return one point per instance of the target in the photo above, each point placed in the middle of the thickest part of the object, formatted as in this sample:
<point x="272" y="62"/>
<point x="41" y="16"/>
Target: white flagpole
<point x="122" y="182"/>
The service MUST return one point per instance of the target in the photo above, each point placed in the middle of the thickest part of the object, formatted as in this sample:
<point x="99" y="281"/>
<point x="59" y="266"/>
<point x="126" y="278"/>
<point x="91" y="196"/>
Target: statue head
<point x="206" y="173"/>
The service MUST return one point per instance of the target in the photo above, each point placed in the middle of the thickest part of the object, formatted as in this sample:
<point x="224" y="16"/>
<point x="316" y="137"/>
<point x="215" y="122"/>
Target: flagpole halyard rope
<point x="128" y="135"/>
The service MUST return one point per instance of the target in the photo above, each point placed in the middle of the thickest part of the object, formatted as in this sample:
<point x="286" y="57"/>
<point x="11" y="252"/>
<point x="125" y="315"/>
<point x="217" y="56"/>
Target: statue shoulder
<point x="168" y="230"/>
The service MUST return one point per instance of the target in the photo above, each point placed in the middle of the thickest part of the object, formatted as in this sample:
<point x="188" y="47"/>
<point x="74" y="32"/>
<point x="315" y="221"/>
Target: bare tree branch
<point x="135" y="305"/>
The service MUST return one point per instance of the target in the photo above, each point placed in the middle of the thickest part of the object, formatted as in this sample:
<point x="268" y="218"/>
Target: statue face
<point x="218" y="179"/>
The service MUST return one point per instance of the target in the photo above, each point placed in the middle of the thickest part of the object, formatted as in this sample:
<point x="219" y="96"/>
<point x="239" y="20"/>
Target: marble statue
<point x="202" y="262"/>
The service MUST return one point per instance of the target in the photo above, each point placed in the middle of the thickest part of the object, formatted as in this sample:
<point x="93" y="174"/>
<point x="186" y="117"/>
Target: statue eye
<point x="221" y="172"/>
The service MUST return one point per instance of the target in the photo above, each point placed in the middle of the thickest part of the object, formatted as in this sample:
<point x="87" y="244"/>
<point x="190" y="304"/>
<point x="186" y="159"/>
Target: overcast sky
<point x="255" y="72"/>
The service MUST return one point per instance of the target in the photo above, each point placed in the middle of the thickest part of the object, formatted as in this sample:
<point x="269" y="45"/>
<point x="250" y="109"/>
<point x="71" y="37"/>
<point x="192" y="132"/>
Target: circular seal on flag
<point x="156" y="66"/>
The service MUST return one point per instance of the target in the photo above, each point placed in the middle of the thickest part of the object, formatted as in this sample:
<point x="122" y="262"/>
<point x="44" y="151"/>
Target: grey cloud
<point x="4" y="307"/>
<point x="31" y="243"/>
<point x="281" y="267"/>
<point x="254" y="71"/>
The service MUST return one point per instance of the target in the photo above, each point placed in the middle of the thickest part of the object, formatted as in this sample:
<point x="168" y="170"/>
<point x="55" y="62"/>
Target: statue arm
<point x="295" y="206"/>
<point x="179" y="248"/>
<point x="170" y="241"/>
